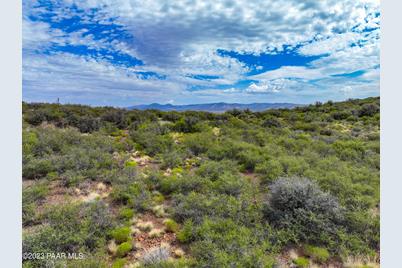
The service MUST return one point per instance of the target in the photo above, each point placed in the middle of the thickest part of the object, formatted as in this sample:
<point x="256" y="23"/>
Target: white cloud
<point x="180" y="38"/>
<point x="297" y="72"/>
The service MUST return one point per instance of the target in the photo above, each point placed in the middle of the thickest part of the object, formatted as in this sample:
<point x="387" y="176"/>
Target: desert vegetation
<point x="126" y="188"/>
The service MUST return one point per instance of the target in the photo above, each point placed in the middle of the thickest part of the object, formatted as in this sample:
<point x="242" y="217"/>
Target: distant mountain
<point x="214" y="107"/>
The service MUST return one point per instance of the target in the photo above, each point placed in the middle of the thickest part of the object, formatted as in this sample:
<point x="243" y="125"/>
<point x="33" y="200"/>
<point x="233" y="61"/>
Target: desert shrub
<point x="326" y="132"/>
<point x="119" y="263"/>
<point x="126" y="213"/>
<point x="230" y="184"/>
<point x="152" y="139"/>
<point x="171" y="225"/>
<point x="365" y="228"/>
<point x="135" y="195"/>
<point x="29" y="142"/>
<point x="301" y="262"/>
<point x="117" y="117"/>
<point x="130" y="164"/>
<point x="293" y="166"/>
<point x="368" y="109"/>
<point x="187" y="233"/>
<point x="249" y="158"/>
<point x="184" y="183"/>
<point x="121" y="234"/>
<point x="301" y="206"/>
<point x="198" y="143"/>
<point x="172" y="159"/>
<point x="224" y="243"/>
<point x="30" y="197"/>
<point x="196" y="206"/>
<point x="71" y="178"/>
<point x="123" y="249"/>
<point x="318" y="254"/>
<point x="70" y="228"/>
<point x="213" y="170"/>
<point x="35" y="117"/>
<point x="87" y="124"/>
<point x="188" y="124"/>
<point x="349" y="149"/>
<point x="272" y="122"/>
<point x="334" y="144"/>
<point x="340" y="115"/>
<point x="90" y="261"/>
<point x="37" y="168"/>
<point x="271" y="169"/>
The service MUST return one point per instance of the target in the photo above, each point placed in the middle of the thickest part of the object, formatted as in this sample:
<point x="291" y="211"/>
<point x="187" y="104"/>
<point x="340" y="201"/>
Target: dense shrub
<point x="223" y="243"/>
<point x="213" y="170"/>
<point x="301" y="262"/>
<point x="198" y="143"/>
<point x="318" y="254"/>
<point x="216" y="175"/>
<point x="187" y="233"/>
<point x="135" y="195"/>
<point x="123" y="249"/>
<point x="31" y="195"/>
<point x="37" y="168"/>
<point x="271" y="169"/>
<point x="171" y="225"/>
<point x="368" y="109"/>
<point x="188" y="124"/>
<point x="121" y="234"/>
<point x="301" y="206"/>
<point x="70" y="228"/>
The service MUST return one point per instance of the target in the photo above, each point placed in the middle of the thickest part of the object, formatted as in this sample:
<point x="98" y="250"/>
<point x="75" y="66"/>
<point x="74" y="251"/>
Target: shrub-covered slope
<point x="129" y="188"/>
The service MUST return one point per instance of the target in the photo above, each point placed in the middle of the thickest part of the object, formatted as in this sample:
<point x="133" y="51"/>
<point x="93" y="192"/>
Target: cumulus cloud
<point x="179" y="39"/>
<point x="297" y="72"/>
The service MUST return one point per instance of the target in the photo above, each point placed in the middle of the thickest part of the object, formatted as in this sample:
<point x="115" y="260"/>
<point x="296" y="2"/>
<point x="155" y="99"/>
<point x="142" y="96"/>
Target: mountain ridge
<point x="213" y="107"/>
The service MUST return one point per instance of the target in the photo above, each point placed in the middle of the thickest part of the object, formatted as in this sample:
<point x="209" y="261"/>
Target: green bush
<point x="37" y="168"/>
<point x="123" y="249"/>
<point x="126" y="213"/>
<point x="171" y="225"/>
<point x="214" y="169"/>
<point x="135" y="195"/>
<point x="198" y="143"/>
<point x="318" y="254"/>
<point x="119" y="263"/>
<point x="301" y="262"/>
<point x="186" y="234"/>
<point x="31" y="195"/>
<point x="70" y="228"/>
<point x="271" y="169"/>
<point x="121" y="234"/>
<point x="224" y="243"/>
<point x="130" y="164"/>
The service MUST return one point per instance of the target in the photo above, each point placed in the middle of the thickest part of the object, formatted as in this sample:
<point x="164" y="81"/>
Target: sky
<point x="129" y="52"/>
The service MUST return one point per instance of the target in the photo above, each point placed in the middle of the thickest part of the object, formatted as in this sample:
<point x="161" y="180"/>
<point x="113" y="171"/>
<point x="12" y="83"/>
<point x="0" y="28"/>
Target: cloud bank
<point x="126" y="52"/>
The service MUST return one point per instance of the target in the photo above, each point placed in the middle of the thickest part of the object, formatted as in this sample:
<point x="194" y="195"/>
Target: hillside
<point x="131" y="188"/>
<point x="219" y="107"/>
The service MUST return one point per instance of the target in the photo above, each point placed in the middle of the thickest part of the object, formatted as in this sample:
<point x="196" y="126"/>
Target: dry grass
<point x="178" y="253"/>
<point x="159" y="211"/>
<point x="361" y="261"/>
<point x="145" y="226"/>
<point x="154" y="233"/>
<point x="135" y="230"/>
<point x="112" y="247"/>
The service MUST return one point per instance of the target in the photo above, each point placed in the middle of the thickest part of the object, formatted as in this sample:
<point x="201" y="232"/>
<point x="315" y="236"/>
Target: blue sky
<point x="126" y="52"/>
